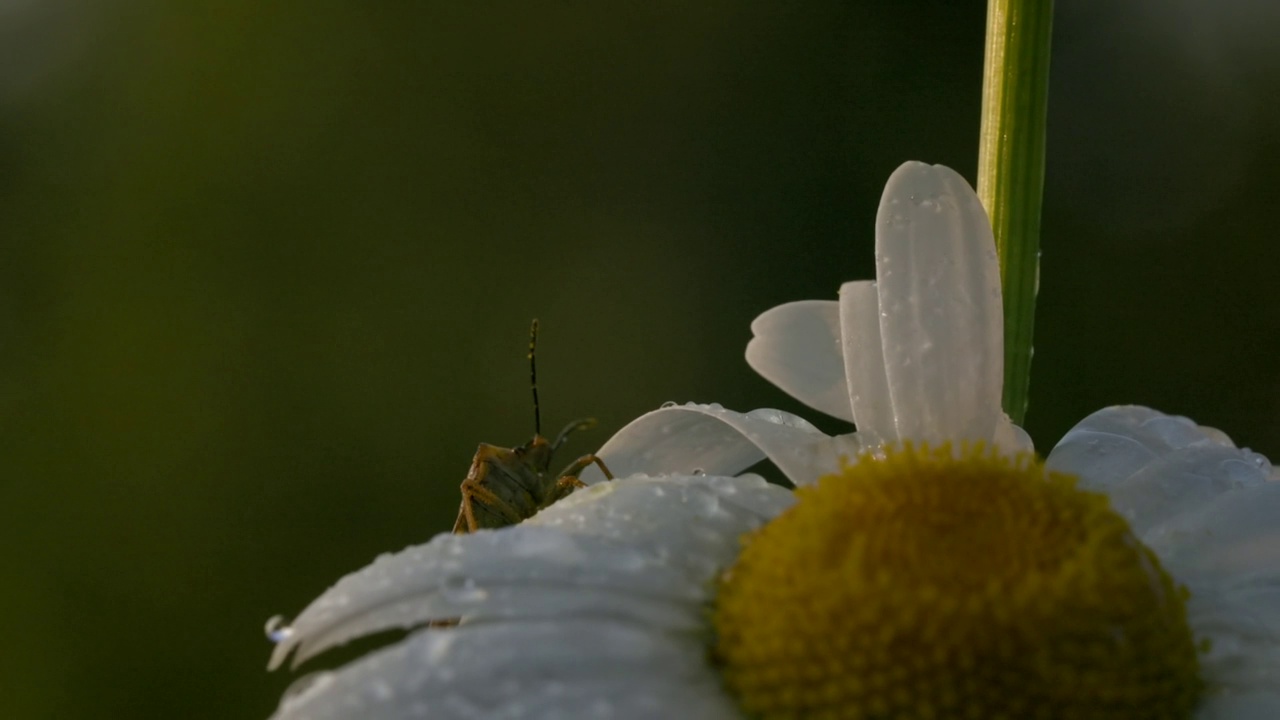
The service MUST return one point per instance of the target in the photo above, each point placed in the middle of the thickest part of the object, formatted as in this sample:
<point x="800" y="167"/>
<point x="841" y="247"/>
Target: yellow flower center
<point x="940" y="584"/>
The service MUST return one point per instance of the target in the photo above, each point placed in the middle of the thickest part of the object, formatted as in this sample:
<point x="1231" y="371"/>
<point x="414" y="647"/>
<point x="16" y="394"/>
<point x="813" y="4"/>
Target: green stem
<point x="1015" y="94"/>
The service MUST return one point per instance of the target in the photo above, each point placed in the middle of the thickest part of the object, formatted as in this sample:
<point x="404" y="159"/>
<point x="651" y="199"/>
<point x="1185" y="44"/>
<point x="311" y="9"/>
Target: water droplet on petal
<point x="706" y="504"/>
<point x="381" y="691"/>
<point x="278" y="629"/>
<point x="668" y="404"/>
<point x="460" y="589"/>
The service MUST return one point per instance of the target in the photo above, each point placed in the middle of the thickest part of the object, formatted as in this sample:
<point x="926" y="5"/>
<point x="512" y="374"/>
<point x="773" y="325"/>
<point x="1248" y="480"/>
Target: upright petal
<point x="941" y="317"/>
<point x="864" y="359"/>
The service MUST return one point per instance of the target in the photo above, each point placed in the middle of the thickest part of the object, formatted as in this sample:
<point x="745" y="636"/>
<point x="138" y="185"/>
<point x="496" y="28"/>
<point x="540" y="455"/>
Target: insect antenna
<point x="572" y="427"/>
<point x="533" y="376"/>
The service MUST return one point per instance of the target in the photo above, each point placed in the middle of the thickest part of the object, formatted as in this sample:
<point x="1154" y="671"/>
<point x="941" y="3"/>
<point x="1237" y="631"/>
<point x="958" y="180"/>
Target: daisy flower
<point x="927" y="566"/>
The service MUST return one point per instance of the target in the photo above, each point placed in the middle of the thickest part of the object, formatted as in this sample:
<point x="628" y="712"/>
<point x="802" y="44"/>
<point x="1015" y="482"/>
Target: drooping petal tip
<point x="696" y="439"/>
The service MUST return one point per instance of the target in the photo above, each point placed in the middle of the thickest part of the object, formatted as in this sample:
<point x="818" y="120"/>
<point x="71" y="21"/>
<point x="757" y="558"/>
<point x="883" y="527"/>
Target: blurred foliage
<point x="266" y="270"/>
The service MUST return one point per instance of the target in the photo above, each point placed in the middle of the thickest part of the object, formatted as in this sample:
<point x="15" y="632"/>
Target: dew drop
<point x="705" y="504"/>
<point x="668" y="404"/>
<point x="463" y="592"/>
<point x="278" y="629"/>
<point x="381" y="691"/>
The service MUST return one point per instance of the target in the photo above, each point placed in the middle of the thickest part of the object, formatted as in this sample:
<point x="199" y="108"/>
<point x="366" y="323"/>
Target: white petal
<point x="796" y="346"/>
<point x="1182" y="481"/>
<point x="1010" y="437"/>
<point x="864" y="360"/>
<point x="941" y="318"/>
<point x="708" y="439"/>
<point x="1154" y="466"/>
<point x="1244" y="650"/>
<point x="1232" y="539"/>
<point x="1209" y="511"/>
<point x="526" y="671"/>
<point x="642" y="549"/>
<point x="1102" y="449"/>
<point x="696" y="521"/>
<point x="455" y="575"/>
<point x="1113" y="443"/>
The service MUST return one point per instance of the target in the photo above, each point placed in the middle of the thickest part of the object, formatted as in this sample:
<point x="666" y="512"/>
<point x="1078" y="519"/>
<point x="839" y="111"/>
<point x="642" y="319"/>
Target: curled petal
<point x="708" y="439"/>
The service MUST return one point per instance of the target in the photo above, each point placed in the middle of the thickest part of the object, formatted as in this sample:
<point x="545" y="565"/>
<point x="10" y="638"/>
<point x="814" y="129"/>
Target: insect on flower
<point x="507" y="485"/>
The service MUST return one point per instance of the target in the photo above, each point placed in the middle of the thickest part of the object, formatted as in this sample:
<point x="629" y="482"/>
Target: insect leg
<point x="466" y="521"/>
<point x="476" y="492"/>
<point x="582" y="463"/>
<point x="568" y="480"/>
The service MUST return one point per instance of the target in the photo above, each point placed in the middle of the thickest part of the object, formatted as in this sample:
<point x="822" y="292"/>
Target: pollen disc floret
<point x="935" y="583"/>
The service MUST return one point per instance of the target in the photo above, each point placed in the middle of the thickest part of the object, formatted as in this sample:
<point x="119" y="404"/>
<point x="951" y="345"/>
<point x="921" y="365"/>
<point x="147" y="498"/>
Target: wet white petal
<point x="567" y="668"/>
<point x="864" y="359"/>
<point x="796" y="346"/>
<point x="1010" y="437"/>
<point x="1181" y="481"/>
<point x="1211" y="512"/>
<point x="1230" y="539"/>
<point x="641" y="549"/>
<point x="941" y="317"/>
<point x="455" y="574"/>
<point x="694" y="519"/>
<point x="1154" y="466"/>
<point x="1244" y="652"/>
<point x="708" y="439"/>
<point x="1115" y="442"/>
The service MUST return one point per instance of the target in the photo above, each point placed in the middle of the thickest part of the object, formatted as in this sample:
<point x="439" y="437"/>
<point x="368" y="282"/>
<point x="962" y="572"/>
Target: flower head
<point x="928" y="566"/>
<point x="931" y="583"/>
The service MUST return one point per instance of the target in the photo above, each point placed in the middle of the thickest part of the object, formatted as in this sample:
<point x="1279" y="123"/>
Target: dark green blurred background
<point x="266" y="269"/>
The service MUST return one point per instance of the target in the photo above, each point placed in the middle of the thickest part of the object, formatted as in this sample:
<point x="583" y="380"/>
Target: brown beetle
<point x="508" y="485"/>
